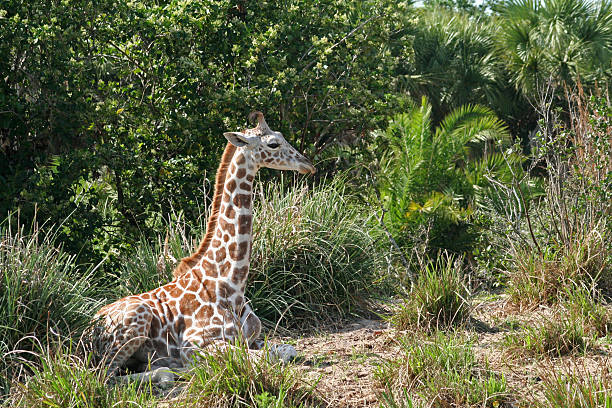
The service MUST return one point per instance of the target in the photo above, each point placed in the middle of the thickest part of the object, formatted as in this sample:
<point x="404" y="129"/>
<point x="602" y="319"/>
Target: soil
<point x="342" y="359"/>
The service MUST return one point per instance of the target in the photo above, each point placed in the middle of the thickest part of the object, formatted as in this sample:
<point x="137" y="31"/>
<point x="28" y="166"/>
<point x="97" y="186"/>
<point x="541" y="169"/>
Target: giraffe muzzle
<point x="306" y="166"/>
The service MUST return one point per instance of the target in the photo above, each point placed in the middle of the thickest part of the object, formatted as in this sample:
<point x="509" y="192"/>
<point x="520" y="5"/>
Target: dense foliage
<point x="116" y="109"/>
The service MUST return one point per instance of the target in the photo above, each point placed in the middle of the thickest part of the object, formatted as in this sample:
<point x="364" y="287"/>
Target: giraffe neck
<point x="228" y="255"/>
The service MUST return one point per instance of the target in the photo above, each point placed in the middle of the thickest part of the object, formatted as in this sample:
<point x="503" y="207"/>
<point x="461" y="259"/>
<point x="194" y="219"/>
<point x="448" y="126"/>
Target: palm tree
<point x="453" y="62"/>
<point x="558" y="40"/>
<point x="425" y="171"/>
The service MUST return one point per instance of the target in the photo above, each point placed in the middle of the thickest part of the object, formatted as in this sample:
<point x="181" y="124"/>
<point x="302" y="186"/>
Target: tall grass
<point x="235" y="378"/>
<point x="577" y="388"/>
<point x="315" y="252"/>
<point x="560" y="237"/>
<point x="576" y="324"/>
<point x="438" y="299"/>
<point x="62" y="376"/>
<point x="42" y="292"/>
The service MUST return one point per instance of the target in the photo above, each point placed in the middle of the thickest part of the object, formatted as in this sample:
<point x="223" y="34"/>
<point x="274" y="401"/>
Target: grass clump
<point x="61" y="376"/>
<point x="554" y="337"/>
<point x="42" y="291"/>
<point x="545" y="278"/>
<point x="314" y="252"/>
<point x="576" y="323"/>
<point x="577" y="389"/>
<point x="439" y="371"/>
<point x="438" y="299"/>
<point x="235" y="378"/>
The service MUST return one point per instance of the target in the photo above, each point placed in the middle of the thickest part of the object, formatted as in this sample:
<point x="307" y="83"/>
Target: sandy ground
<point x="342" y="359"/>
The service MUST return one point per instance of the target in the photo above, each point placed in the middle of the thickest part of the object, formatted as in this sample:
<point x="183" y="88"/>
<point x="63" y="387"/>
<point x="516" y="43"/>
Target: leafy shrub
<point x="424" y="174"/>
<point x="439" y="298"/>
<point x="42" y="291"/>
<point x="117" y="108"/>
<point x="440" y="370"/>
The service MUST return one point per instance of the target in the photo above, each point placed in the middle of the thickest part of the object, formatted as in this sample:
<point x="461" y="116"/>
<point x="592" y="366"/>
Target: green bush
<point x="315" y="252"/>
<point x="116" y="110"/>
<point x="42" y="292"/>
<point x="425" y="177"/>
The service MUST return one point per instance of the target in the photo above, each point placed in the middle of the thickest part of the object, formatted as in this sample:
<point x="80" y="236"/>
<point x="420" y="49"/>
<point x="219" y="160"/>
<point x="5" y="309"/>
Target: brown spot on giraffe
<point x="242" y="200"/>
<point x="209" y="292"/>
<point x="226" y="226"/>
<point x="225" y="269"/>
<point x="220" y="255"/>
<point x="209" y="268"/>
<point x="193" y="285"/>
<point x="244" y="224"/>
<point x="188" y="304"/>
<point x="225" y="289"/>
<point x="204" y="312"/>
<point x="239" y="303"/>
<point x="240" y="274"/>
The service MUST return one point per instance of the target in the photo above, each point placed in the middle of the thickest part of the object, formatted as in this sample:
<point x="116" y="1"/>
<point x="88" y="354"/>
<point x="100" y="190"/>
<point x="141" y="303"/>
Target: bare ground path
<point x="342" y="360"/>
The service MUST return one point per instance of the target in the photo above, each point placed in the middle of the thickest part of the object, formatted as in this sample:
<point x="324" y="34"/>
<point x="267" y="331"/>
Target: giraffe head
<point x="268" y="148"/>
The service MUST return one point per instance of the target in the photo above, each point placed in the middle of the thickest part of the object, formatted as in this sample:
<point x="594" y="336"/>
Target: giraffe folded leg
<point x="127" y="331"/>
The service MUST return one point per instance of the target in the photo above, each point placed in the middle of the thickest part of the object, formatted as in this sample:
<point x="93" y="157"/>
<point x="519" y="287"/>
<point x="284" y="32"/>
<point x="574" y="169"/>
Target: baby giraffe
<point x="204" y="306"/>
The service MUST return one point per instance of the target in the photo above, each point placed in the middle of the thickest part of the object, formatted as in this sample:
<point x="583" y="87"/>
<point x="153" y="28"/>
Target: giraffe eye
<point x="273" y="145"/>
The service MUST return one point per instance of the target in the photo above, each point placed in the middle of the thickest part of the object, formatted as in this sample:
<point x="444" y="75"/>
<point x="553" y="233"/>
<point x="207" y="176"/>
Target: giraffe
<point x="204" y="305"/>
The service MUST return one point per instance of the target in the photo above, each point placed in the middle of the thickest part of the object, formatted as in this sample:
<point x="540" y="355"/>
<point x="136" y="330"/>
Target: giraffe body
<point x="204" y="305"/>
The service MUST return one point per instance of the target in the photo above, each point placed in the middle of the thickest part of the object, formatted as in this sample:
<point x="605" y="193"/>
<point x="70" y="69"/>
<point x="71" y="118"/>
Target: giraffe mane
<point x="189" y="262"/>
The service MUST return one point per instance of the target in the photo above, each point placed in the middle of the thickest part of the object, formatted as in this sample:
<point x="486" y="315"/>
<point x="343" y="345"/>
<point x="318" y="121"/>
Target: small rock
<point x="283" y="352"/>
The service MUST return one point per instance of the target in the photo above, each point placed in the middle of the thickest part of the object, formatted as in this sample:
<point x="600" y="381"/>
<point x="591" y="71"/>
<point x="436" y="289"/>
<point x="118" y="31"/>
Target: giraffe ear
<point x="236" y="138"/>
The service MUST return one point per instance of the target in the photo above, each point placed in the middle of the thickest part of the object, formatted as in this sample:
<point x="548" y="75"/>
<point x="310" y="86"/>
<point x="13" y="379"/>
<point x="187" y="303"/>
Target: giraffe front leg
<point x="250" y="326"/>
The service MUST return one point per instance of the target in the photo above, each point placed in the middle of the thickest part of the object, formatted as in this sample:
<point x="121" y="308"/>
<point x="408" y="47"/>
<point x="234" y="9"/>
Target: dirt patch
<point x="342" y="360"/>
